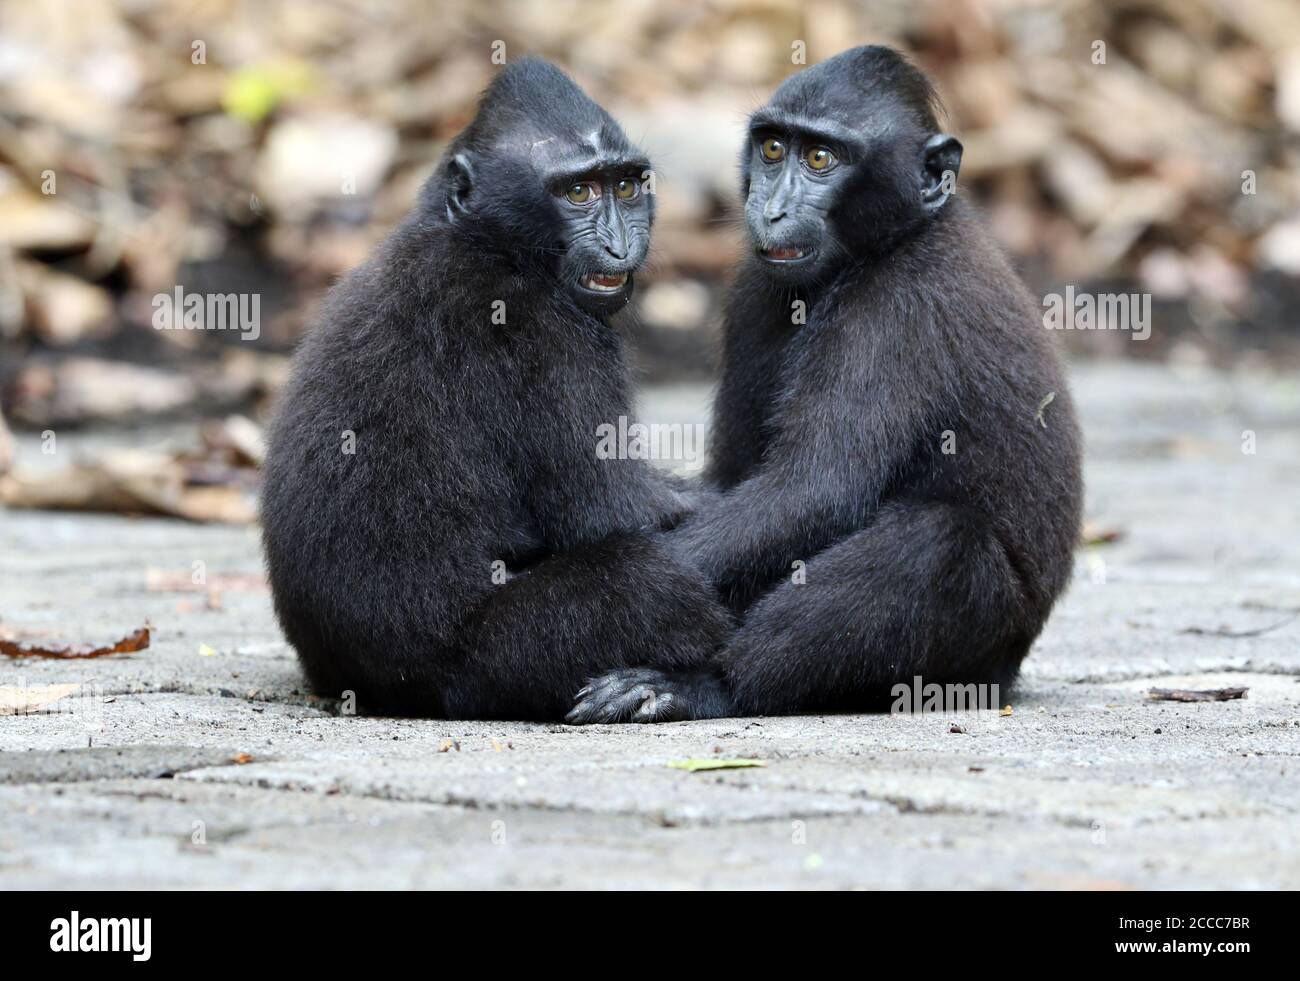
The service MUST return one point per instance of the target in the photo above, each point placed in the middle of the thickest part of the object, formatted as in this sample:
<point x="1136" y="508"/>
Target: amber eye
<point x="819" y="158"/>
<point x="626" y="189"/>
<point x="582" y="193"/>
<point x="773" y="149"/>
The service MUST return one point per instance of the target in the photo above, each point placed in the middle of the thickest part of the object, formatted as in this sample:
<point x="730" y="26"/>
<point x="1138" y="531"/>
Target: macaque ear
<point x="941" y="160"/>
<point x="460" y="180"/>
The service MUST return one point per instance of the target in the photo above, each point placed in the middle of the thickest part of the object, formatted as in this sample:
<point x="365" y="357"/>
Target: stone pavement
<point x="203" y="762"/>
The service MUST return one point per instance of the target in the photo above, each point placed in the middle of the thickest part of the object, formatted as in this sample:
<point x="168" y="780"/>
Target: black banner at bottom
<point x="363" y="930"/>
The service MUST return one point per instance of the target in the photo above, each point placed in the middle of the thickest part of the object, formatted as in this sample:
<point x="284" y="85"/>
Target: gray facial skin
<point x="582" y="193"/>
<point x="821" y="192"/>
<point x="604" y="223"/>
<point x="794" y="181"/>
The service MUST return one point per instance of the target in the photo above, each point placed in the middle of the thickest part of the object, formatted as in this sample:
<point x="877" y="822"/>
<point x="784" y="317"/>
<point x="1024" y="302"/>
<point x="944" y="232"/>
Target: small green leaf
<point x="252" y="94"/>
<point x="690" y="766"/>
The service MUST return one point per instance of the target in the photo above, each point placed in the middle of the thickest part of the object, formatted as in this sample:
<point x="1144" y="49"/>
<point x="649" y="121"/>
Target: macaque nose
<point x="614" y="238"/>
<point x="784" y="195"/>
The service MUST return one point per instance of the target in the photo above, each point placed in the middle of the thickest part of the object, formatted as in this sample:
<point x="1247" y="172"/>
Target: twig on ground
<point x="1225" y="632"/>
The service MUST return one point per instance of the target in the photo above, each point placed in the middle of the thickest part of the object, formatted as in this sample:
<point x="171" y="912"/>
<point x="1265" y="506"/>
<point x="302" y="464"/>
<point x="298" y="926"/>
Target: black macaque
<point x="896" y="447"/>
<point x="441" y="536"/>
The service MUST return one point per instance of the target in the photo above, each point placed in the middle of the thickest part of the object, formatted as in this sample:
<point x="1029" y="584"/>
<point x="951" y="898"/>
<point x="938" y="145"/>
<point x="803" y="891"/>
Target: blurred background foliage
<point x="263" y="147"/>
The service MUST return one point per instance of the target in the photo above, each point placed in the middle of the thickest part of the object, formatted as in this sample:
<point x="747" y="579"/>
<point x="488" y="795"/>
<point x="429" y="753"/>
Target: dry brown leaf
<point x="1095" y="534"/>
<point x="137" y="641"/>
<point x="6" y="447"/>
<point x="1196" y="695"/>
<point x="223" y="505"/>
<point x="128" y="481"/>
<point x="64" y="309"/>
<point x="24" y="701"/>
<point x="182" y="581"/>
<point x="34" y="221"/>
<point x="85" y="389"/>
<point x="239" y="436"/>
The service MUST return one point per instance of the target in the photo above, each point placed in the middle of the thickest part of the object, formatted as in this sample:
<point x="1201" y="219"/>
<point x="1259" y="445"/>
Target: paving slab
<point x="204" y="762"/>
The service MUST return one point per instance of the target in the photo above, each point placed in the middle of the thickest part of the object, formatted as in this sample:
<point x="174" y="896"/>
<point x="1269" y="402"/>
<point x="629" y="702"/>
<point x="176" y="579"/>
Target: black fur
<point x="828" y="436"/>
<point x="476" y="442"/>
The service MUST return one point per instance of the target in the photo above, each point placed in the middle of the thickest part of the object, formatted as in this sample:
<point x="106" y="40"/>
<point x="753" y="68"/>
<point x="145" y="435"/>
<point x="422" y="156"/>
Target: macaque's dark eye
<point x="582" y="193"/>
<point x="819" y="158"/>
<point x="626" y="189"/>
<point x="773" y="149"/>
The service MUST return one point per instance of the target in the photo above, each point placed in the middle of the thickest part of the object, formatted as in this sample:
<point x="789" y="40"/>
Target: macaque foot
<point x="648" y="695"/>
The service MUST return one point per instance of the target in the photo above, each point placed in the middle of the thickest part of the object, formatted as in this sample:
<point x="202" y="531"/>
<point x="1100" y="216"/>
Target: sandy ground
<point x="203" y="762"/>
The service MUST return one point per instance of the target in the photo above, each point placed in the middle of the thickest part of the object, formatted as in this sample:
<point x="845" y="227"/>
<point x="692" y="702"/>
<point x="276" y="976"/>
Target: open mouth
<point x="776" y="254"/>
<point x="604" y="282"/>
